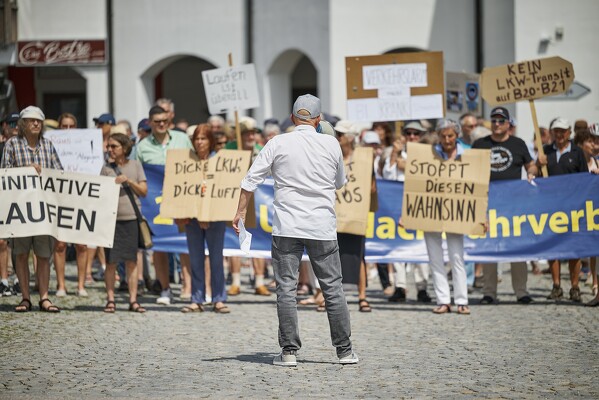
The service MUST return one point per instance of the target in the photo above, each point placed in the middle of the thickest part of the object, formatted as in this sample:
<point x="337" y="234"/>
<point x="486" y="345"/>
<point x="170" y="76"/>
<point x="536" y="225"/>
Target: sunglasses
<point x="114" y="146"/>
<point x="499" y="121"/>
<point x="160" y="121"/>
<point x="412" y="133"/>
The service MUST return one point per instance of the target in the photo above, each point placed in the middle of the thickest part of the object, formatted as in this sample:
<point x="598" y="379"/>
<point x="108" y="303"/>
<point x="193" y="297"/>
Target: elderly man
<point x="468" y="123"/>
<point x="563" y="157"/>
<point x="307" y="168"/>
<point x="508" y="155"/>
<point x="30" y="148"/>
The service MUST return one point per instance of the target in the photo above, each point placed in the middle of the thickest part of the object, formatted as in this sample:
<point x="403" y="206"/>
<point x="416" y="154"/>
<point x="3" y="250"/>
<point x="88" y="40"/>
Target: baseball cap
<point x="560" y="123"/>
<point x="346" y="127"/>
<point x="105" y="119"/>
<point x="500" y="111"/>
<point x="144" y="124"/>
<point x="327" y="128"/>
<point x="371" y="137"/>
<point x="12" y="117"/>
<point x="309" y="106"/>
<point x="415" y="125"/>
<point x="32" y="112"/>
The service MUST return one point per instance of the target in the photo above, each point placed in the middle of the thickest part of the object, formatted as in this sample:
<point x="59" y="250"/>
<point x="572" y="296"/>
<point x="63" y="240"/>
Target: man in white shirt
<point x="307" y="168"/>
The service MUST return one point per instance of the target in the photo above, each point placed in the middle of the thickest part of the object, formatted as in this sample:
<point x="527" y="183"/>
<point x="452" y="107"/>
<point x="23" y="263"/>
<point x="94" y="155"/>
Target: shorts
<point x="42" y="245"/>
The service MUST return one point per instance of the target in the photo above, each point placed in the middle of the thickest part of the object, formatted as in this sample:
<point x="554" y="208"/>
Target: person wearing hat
<point x="393" y="170"/>
<point x="105" y="122"/>
<point x="30" y="148"/>
<point x="563" y="157"/>
<point x="508" y="155"/>
<point x="307" y="168"/>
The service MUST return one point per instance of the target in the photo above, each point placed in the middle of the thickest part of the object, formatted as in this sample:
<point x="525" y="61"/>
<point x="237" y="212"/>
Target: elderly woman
<point x="448" y="148"/>
<point x="213" y="233"/>
<point x="130" y="175"/>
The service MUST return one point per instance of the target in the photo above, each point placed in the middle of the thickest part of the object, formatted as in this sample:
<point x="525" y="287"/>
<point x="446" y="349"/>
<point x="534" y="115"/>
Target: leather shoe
<point x="262" y="291"/>
<point x="234" y="290"/>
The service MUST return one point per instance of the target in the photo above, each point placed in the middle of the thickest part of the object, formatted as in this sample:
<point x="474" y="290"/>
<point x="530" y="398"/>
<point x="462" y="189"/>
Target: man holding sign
<point x="30" y="148"/>
<point x="307" y="167"/>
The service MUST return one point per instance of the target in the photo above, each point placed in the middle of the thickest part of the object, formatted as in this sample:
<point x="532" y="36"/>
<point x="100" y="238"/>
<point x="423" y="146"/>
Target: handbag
<point x="144" y="237"/>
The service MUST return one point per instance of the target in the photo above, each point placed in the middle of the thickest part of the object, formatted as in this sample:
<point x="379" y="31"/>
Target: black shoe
<point x="98" y="276"/>
<point x="17" y="287"/>
<point x="6" y="290"/>
<point x="123" y="287"/>
<point x="156" y="287"/>
<point x="525" y="300"/>
<point x="575" y="295"/>
<point x="423" y="297"/>
<point x="487" y="300"/>
<point x="399" y="296"/>
<point x="140" y="287"/>
<point x="229" y="280"/>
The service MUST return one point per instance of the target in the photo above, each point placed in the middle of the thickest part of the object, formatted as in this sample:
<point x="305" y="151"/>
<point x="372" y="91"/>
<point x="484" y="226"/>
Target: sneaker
<point x="575" y="295"/>
<point x="16" y="287"/>
<point x="285" y="359"/>
<point x="234" y="290"/>
<point x="82" y="293"/>
<point x="6" y="290"/>
<point x="399" y="296"/>
<point x="262" y="291"/>
<point x="525" y="300"/>
<point x="488" y="300"/>
<point x="423" y="297"/>
<point x="349" y="359"/>
<point x="166" y="296"/>
<point x="99" y="275"/>
<point x="556" y="293"/>
<point x="61" y="293"/>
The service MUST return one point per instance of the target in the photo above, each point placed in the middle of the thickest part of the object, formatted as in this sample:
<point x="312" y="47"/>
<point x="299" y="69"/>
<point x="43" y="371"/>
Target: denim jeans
<point x="215" y="238"/>
<point x="324" y="255"/>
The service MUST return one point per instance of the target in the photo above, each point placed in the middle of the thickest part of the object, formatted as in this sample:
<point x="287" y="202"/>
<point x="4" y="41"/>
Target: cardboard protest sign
<point x="73" y="208"/>
<point x="79" y="150"/>
<point x="526" y="80"/>
<point x="231" y="89"/>
<point x="446" y="196"/>
<point x="206" y="190"/>
<point x="352" y="203"/>
<point x="462" y="94"/>
<point x="394" y="87"/>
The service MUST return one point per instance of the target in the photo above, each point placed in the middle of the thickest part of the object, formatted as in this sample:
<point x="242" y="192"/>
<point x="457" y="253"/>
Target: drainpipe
<point x="478" y="11"/>
<point x="110" y="64"/>
<point x="249" y="37"/>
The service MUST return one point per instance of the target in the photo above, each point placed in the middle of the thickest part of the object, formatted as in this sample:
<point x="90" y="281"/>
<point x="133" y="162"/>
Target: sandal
<point x="110" y="307"/>
<point x="51" y="308"/>
<point x="464" y="310"/>
<point x="223" y="309"/>
<point x="190" y="308"/>
<point x="138" y="309"/>
<point x="442" y="309"/>
<point x="364" y="305"/>
<point x="24" y="306"/>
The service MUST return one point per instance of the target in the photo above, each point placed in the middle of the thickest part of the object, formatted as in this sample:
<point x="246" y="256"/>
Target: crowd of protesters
<point x="568" y="148"/>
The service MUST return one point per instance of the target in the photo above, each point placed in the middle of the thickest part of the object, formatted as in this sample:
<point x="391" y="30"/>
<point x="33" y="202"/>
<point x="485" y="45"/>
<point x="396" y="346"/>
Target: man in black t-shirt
<point x="508" y="155"/>
<point x="563" y="157"/>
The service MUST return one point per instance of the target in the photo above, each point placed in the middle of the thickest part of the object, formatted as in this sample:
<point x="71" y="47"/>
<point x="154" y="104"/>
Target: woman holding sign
<point x="130" y="175"/>
<point x="213" y="233"/>
<point x="448" y="148"/>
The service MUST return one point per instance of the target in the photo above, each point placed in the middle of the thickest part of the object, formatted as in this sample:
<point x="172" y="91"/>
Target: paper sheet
<point x="245" y="238"/>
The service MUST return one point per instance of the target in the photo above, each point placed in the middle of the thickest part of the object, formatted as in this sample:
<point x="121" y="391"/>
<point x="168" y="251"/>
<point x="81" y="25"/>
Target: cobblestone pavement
<point x="505" y="351"/>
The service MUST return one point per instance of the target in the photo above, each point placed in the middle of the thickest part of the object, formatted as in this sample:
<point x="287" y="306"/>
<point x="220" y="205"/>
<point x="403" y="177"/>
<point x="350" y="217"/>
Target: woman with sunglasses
<point x="130" y="175"/>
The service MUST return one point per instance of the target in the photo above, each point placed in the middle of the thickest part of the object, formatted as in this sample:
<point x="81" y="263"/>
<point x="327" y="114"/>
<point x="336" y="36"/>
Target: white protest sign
<point x="231" y="88"/>
<point x="79" y="150"/>
<point x="73" y="208"/>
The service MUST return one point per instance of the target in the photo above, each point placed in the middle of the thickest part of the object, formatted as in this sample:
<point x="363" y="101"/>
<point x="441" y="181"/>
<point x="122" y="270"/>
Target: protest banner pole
<point x="538" y="141"/>
<point x="237" y="128"/>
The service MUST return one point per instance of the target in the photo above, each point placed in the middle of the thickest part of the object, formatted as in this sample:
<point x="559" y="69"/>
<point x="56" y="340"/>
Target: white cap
<point x="560" y="123"/>
<point x="32" y="112"/>
<point x="371" y="137"/>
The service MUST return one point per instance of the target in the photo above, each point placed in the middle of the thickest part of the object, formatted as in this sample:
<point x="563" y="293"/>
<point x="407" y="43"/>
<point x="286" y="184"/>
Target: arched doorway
<point x="179" y="78"/>
<point x="290" y="75"/>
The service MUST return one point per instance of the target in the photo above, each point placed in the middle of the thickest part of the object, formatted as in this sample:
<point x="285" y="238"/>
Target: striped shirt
<point x="17" y="153"/>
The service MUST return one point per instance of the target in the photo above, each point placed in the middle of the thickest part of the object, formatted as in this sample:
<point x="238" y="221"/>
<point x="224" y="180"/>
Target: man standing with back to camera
<point x="307" y="168"/>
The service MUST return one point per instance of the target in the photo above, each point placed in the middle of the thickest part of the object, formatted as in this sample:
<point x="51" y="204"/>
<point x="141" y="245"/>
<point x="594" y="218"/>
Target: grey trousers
<point x="324" y="255"/>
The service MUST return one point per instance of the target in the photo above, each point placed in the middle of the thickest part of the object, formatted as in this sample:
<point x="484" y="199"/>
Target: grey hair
<point x="164" y="100"/>
<point x="215" y="118"/>
<point x="444" y="123"/>
<point x="271" y="128"/>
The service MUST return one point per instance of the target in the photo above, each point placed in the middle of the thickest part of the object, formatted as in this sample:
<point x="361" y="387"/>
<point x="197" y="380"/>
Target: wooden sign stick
<point x="237" y="128"/>
<point x="538" y="141"/>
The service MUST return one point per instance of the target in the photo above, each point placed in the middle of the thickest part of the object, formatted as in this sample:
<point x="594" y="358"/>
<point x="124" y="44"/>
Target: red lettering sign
<point x="61" y="52"/>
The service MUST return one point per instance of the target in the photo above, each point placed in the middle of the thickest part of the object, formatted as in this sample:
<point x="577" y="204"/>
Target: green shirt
<point x="233" y="146"/>
<point x="149" y="151"/>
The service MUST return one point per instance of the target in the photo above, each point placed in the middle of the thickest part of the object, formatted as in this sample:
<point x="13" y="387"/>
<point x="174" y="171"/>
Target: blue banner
<point x="554" y="218"/>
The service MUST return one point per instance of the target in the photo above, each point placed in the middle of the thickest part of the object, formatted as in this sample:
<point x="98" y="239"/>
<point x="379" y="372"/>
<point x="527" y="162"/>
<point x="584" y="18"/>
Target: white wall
<point x="538" y="18"/>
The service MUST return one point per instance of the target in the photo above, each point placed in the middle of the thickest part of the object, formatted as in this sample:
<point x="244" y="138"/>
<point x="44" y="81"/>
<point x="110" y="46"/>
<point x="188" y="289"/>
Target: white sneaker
<point x="285" y="360"/>
<point x="166" y="296"/>
<point x="350" y="359"/>
<point x="82" y="293"/>
<point x="61" y="293"/>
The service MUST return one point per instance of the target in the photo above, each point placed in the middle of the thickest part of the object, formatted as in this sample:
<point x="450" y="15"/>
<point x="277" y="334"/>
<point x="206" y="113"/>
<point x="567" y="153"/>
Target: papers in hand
<point x="245" y="238"/>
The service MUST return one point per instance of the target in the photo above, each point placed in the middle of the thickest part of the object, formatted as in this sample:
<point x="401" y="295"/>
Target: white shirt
<point x="307" y="168"/>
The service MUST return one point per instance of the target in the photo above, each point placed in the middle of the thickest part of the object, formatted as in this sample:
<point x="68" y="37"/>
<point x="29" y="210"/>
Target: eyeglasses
<point x="114" y="146"/>
<point x="499" y="121"/>
<point x="160" y="121"/>
<point x="412" y="133"/>
<point x="222" y="143"/>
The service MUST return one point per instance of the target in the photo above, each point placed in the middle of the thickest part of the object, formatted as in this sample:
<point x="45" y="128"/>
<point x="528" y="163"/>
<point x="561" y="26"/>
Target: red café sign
<point x="61" y="52"/>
